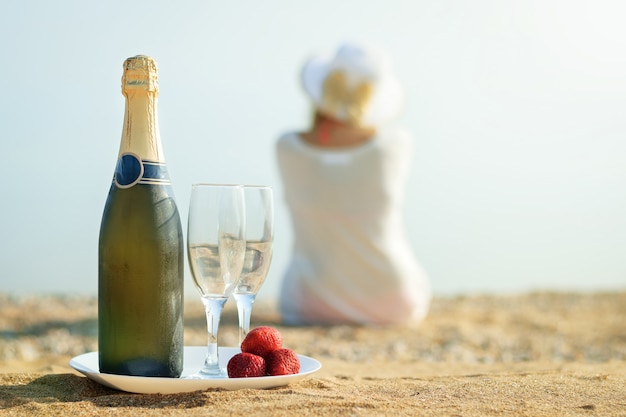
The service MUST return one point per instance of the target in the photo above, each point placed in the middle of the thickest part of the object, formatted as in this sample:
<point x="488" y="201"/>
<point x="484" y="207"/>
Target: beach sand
<point x="537" y="354"/>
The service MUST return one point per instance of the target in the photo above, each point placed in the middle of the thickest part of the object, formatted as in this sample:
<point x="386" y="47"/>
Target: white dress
<point x="351" y="261"/>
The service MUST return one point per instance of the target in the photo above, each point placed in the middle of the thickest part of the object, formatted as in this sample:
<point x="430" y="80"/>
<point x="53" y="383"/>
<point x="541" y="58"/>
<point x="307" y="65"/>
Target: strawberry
<point x="245" y="365"/>
<point x="262" y="340"/>
<point x="282" y="362"/>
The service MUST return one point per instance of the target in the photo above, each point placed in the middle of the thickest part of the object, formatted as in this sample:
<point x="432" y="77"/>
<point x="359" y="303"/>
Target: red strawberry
<point x="262" y="340"/>
<point x="282" y="362"/>
<point x="245" y="365"/>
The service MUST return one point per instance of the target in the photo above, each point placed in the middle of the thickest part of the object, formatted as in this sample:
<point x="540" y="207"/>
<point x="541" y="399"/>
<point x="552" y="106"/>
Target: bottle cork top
<point x="140" y="72"/>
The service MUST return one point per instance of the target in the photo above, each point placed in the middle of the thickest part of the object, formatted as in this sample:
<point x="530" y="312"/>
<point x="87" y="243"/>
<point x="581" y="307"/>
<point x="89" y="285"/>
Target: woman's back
<point x="352" y="262"/>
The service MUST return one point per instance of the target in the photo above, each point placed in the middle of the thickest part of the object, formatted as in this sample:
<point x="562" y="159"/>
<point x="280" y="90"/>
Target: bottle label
<point x="131" y="170"/>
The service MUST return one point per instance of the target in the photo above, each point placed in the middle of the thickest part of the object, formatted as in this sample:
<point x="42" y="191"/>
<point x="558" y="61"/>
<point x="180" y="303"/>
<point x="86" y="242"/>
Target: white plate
<point x="87" y="364"/>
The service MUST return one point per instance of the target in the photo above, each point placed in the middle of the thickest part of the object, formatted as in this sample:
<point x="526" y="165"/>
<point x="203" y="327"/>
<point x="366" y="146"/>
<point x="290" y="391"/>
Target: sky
<point x="517" y="109"/>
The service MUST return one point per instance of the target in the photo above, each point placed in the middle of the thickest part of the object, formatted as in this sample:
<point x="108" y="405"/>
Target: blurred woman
<point x="344" y="182"/>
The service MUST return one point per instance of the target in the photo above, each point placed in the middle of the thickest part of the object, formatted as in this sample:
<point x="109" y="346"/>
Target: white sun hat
<point x="360" y="64"/>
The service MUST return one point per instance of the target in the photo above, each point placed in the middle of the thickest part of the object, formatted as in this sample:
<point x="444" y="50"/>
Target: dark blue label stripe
<point x="155" y="173"/>
<point x="130" y="170"/>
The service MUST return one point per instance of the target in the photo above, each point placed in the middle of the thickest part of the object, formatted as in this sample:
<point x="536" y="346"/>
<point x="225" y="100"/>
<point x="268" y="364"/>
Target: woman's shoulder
<point x="394" y="139"/>
<point x="289" y="139"/>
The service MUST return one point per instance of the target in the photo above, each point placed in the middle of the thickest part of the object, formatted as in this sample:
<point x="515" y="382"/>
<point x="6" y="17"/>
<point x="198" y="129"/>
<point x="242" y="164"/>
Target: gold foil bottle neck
<point x="140" y="73"/>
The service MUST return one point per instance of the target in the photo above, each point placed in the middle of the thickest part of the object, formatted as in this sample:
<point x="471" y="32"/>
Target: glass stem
<point x="244" y="311"/>
<point x="213" y="308"/>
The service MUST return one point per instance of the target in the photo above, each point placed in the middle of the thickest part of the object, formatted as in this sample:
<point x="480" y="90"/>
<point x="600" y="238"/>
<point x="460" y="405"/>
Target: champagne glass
<point x="216" y="248"/>
<point x="259" y="238"/>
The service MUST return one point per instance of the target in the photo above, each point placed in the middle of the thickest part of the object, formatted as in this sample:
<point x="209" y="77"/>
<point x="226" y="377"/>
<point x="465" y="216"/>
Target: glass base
<point x="208" y="373"/>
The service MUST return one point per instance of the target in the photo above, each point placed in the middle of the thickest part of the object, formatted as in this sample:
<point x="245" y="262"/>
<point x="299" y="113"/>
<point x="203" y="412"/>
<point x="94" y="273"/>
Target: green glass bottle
<point x="140" y="256"/>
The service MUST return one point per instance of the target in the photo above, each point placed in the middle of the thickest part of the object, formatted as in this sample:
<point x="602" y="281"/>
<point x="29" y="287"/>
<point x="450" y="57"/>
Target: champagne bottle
<point x="140" y="257"/>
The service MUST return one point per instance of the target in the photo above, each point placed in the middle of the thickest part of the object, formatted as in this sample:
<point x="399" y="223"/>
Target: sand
<point x="537" y="354"/>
